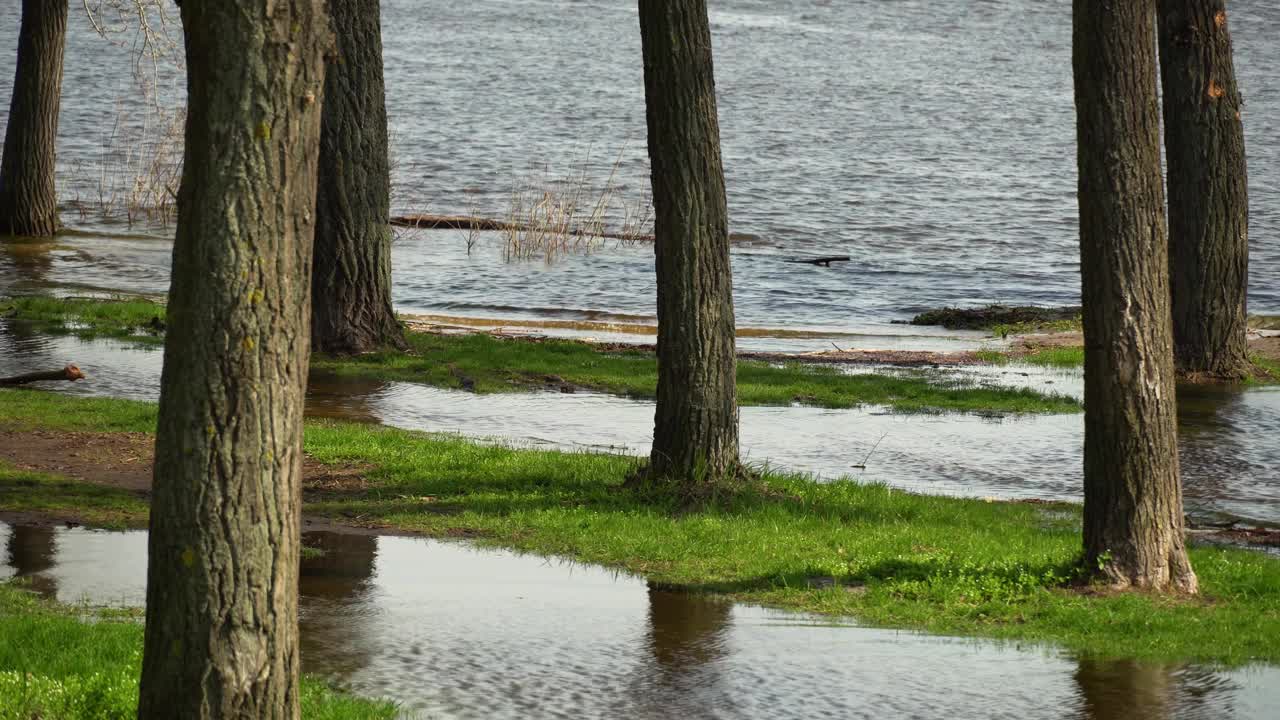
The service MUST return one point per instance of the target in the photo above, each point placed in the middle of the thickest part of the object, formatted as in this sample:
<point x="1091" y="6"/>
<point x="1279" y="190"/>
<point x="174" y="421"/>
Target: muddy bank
<point x="124" y="461"/>
<point x="991" y="316"/>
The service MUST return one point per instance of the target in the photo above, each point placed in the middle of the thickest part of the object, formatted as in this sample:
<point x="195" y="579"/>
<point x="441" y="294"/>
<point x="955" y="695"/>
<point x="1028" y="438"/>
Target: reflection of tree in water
<point x="686" y="631"/>
<point x="688" y="635"/>
<point x="32" y="550"/>
<point x="25" y="264"/>
<point x="335" y="601"/>
<point x="342" y="398"/>
<point x="1133" y="690"/>
<point x="1211" y="444"/>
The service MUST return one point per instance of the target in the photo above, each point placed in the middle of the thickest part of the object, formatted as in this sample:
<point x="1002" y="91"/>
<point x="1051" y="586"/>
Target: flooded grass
<point x="946" y="565"/>
<point x="134" y="318"/>
<point x="486" y="364"/>
<point x="61" y="662"/>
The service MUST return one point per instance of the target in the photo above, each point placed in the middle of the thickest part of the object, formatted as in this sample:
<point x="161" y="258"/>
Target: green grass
<point x="134" y="318"/>
<point x="897" y="559"/>
<point x="66" y="663"/>
<point x="486" y="364"/>
<point x="106" y="507"/>
<point x="1059" y="357"/>
<point x="1269" y="370"/>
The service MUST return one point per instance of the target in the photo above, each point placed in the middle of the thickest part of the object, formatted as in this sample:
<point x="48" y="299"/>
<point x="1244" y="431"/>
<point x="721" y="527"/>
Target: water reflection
<point x="336" y="581"/>
<point x="455" y="632"/>
<point x="1132" y="690"/>
<point x="687" y="631"/>
<point x="32" y="550"/>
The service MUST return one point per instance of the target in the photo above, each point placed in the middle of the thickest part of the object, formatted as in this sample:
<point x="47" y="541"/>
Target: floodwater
<point x="452" y="631"/>
<point x="1228" y="439"/>
<point x="933" y="142"/>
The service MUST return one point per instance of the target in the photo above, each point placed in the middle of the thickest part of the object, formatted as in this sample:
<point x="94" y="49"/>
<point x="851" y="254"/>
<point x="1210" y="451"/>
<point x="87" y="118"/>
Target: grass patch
<point x="66" y="663"/>
<point x="887" y="557"/>
<point x="134" y="318"/>
<point x="486" y="364"/>
<point x="1267" y="370"/>
<point x="106" y="507"/>
<point x="1061" y="357"/>
<point x="1058" y="357"/>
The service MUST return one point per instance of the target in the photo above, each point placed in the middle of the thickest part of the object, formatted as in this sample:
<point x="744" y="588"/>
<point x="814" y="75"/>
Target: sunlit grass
<point x="947" y="565"/>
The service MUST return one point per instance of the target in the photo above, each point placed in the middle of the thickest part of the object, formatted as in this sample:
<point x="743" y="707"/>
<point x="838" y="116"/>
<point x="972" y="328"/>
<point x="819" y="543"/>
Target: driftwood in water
<point x="468" y="222"/>
<point x="70" y="372"/>
<point x="823" y="261"/>
<point x="450" y="222"/>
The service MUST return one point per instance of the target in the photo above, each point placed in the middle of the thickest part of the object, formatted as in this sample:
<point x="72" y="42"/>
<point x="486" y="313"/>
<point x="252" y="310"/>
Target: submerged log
<point x="823" y="261"/>
<point x="70" y="372"/>
<point x="450" y="222"/>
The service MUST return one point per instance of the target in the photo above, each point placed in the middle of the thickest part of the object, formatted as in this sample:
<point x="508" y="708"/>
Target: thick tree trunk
<point x="695" y="436"/>
<point x="28" y="202"/>
<point x="1133" y="533"/>
<point x="1208" y="192"/>
<point x="351" y="278"/>
<point x="222" y="578"/>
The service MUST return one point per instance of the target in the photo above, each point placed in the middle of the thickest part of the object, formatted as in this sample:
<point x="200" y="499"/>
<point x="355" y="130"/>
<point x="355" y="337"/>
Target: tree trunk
<point x="351" y="278"/>
<point x="1208" y="191"/>
<point x="695" y="439"/>
<point x="222" y="579"/>
<point x="1133" y="533"/>
<point x="28" y="201"/>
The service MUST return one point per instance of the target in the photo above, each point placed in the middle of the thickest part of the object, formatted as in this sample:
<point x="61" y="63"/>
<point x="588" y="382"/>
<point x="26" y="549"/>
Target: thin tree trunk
<point x="695" y="438"/>
<point x="222" y="578"/>
<point x="351" y="278"/>
<point x="1133" y="526"/>
<point x="28" y="201"/>
<point x="1208" y="190"/>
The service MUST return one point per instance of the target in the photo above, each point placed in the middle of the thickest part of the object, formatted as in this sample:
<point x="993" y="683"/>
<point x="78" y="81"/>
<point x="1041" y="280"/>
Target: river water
<point x="452" y="631"/>
<point x="931" y="141"/>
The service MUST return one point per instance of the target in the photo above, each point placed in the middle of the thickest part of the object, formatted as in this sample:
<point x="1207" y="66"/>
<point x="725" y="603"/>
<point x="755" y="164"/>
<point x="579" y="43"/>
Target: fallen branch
<point x="823" y="261"/>
<point x="70" y="372"/>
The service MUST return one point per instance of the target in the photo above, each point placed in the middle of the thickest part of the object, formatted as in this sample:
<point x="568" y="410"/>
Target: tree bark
<point x="351" y="278"/>
<point x="1133" y="526"/>
<point x="222" y="578"/>
<point x="1208" y="190"/>
<point x="28" y="201"/>
<point x="695" y="439"/>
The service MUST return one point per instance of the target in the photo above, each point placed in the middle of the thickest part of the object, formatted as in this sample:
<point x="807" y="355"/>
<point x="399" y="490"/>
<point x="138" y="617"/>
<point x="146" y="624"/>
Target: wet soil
<point x="124" y="461"/>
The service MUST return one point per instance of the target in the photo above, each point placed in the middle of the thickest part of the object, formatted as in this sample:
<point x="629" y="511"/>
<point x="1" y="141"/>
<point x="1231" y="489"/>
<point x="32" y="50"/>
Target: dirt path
<point x="124" y="461"/>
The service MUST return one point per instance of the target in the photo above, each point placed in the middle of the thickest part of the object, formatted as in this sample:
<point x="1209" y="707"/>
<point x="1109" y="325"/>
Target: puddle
<point x="451" y="631"/>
